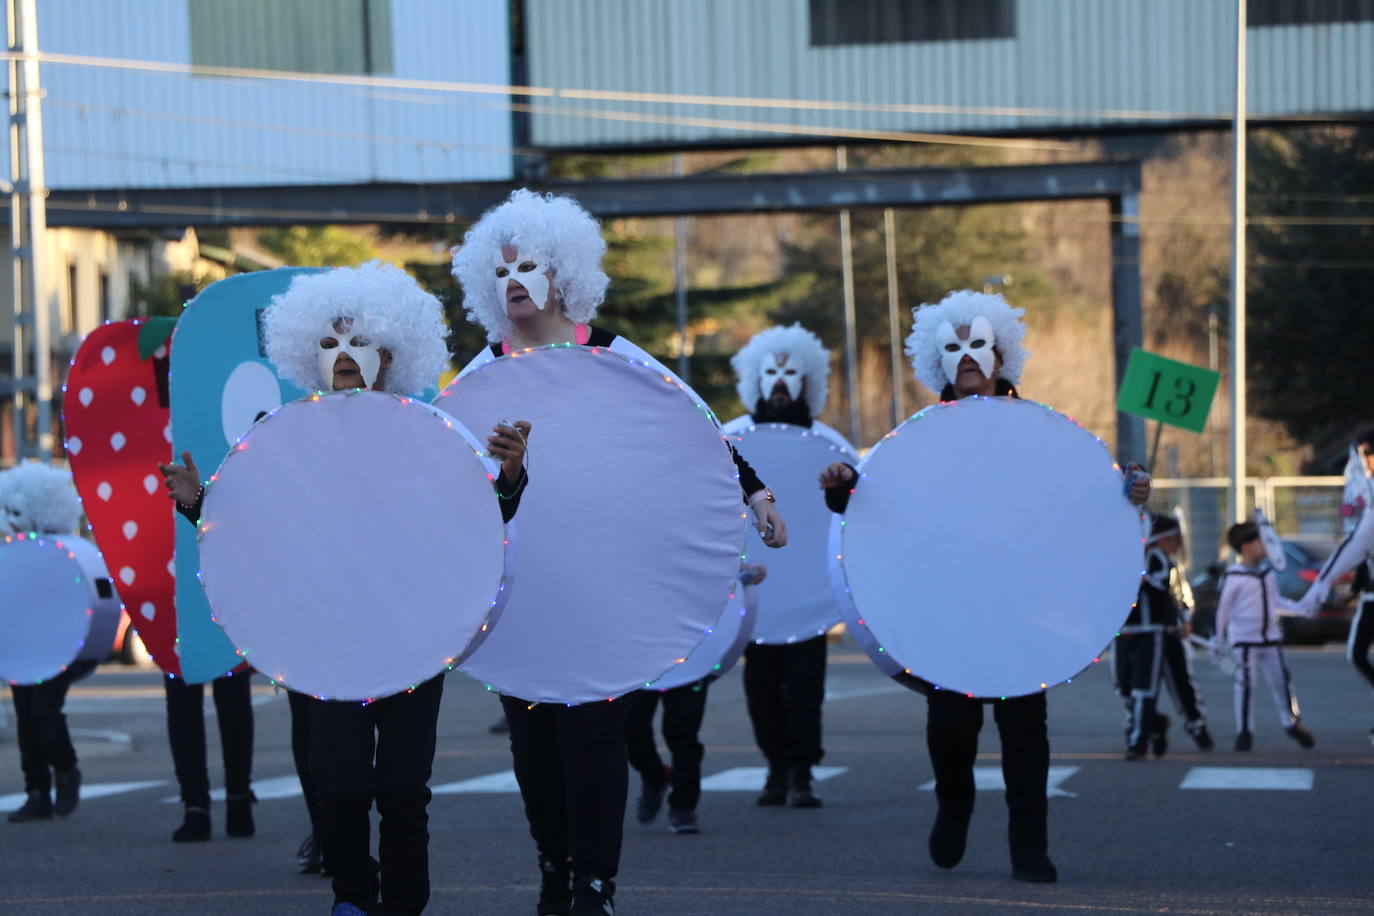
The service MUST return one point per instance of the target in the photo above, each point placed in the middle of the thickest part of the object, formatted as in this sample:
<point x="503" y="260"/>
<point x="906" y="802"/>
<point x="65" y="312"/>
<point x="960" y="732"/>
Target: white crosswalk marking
<point x="264" y="789"/>
<point x="1297" y="779"/>
<point x="88" y="791"/>
<point x="989" y="779"/>
<point x="491" y="783"/>
<point x="751" y="779"/>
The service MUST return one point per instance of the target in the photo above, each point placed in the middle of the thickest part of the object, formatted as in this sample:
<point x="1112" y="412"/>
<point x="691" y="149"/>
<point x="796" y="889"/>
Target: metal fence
<point x="1306" y="508"/>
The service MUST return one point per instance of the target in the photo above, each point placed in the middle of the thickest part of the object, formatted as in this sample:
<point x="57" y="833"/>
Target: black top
<point x="796" y="414"/>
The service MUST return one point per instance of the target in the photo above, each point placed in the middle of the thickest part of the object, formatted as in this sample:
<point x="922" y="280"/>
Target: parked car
<point x="1305" y="559"/>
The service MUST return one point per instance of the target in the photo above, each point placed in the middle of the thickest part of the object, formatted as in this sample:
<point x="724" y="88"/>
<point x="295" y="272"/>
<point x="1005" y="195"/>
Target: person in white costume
<point x="783" y="377"/>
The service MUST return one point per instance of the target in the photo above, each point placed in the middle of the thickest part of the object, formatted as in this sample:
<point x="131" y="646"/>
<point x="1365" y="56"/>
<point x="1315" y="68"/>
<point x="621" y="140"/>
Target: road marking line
<point x="264" y="789"/>
<point x="491" y="783"/>
<point x="989" y="779"/>
<point x="863" y="692"/>
<point x="751" y="779"/>
<point x="88" y="791"/>
<point x="1297" y="779"/>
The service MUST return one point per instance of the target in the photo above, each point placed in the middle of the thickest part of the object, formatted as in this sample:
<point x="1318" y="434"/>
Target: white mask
<point x="979" y="346"/>
<point x="529" y="269"/>
<point x="355" y="343"/>
<point x="774" y="367"/>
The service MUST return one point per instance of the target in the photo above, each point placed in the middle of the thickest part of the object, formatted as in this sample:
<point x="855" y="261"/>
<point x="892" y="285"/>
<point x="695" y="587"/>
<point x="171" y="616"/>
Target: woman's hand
<point x="837" y="475"/>
<point x="507" y="444"/>
<point x="769" y="522"/>
<point x="182" y="480"/>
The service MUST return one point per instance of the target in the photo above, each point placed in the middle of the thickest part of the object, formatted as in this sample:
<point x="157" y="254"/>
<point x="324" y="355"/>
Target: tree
<point x="317" y="246"/>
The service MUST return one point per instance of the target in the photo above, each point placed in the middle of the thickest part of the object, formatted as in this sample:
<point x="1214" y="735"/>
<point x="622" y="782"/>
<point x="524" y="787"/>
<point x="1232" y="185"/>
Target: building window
<point x="872" y="22"/>
<point x="309" y="36"/>
<point x="73" y="309"/>
<point x="1308" y="12"/>
<point x="104" y="293"/>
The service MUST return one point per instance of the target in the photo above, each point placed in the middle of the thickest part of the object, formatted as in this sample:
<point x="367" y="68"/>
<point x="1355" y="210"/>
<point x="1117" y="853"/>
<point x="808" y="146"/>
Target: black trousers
<point x="784" y="687"/>
<point x="186" y="735"/>
<point x="683" y="709"/>
<point x="381" y="752"/>
<point x="1362" y="637"/>
<point x="44" y="742"/>
<point x="1178" y="675"/>
<point x="952" y="725"/>
<point x="299" y="704"/>
<point x="1138" y="666"/>
<point x="570" y="762"/>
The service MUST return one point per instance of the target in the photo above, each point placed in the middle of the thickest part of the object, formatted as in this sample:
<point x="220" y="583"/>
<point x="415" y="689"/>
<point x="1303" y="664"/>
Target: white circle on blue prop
<point x="988" y="548"/>
<point x="352" y="547"/>
<point x="1273" y="546"/>
<point x="51" y="611"/>
<point x="631" y="527"/>
<point x="724" y="645"/>
<point x="796" y="602"/>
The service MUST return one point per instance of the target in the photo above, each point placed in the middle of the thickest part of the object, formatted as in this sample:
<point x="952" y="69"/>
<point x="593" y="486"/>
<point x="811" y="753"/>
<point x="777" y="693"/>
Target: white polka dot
<point x="117" y="441"/>
<point x="104" y="491"/>
<point x="74" y="445"/>
<point x="138" y="395"/>
<point x="147" y="610"/>
<point x="130" y="530"/>
<point x="172" y="568"/>
<point x="85" y="396"/>
<point x="167" y="432"/>
<point x="126" y="575"/>
<point x="160" y="352"/>
<point x="107" y="355"/>
<point x="150" y="484"/>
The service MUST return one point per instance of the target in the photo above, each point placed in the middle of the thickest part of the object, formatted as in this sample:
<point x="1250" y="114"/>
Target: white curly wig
<point x="960" y="308"/>
<point x="384" y="302"/>
<point x="557" y="226"/>
<point x="39" y="497"/>
<point x="803" y="346"/>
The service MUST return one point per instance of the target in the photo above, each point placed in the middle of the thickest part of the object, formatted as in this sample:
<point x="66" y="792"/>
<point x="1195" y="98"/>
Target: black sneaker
<point x="1301" y="735"/>
<point x="651" y="799"/>
<point x="1159" y="737"/>
<point x="68" y="794"/>
<point x="1197" y="730"/>
<point x="238" y="820"/>
<point x="195" y="827"/>
<point x="683" y="821"/>
<point x="1035" y="868"/>
<point x="309" y="857"/>
<point x="950" y="834"/>
<point x="1245" y="741"/>
<point x="799" y="793"/>
<point x="774" y="789"/>
<point x="37" y="807"/>
<point x="555" y="889"/>
<point x="593" y="895"/>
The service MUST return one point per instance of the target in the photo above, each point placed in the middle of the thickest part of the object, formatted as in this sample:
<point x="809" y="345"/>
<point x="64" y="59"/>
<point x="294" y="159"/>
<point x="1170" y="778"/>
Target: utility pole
<point x="851" y="339"/>
<point x="1236" y="494"/>
<point x="894" y="338"/>
<point x="33" y="388"/>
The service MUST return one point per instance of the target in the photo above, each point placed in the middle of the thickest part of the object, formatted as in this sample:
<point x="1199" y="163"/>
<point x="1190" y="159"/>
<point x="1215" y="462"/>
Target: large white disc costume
<point x="631" y="526"/>
<point x="724" y="645"/>
<point x="57" y="606"/>
<point x="351" y="545"/>
<point x="987" y="549"/>
<point x="797" y="602"/>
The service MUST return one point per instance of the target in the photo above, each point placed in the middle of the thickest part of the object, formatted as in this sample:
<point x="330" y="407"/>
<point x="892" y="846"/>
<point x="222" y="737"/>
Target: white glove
<point x="1312" y="602"/>
<point x="1216" y="650"/>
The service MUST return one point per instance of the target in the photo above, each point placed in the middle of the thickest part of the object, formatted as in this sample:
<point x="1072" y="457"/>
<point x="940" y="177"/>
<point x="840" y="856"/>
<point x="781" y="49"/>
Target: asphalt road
<point x="1128" y="837"/>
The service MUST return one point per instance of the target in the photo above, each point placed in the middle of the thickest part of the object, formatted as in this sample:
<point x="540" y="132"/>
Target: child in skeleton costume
<point x="1177" y="667"/>
<point x="1248" y="609"/>
<point x="36" y="497"/>
<point x="783" y="377"/>
<point x="366" y="327"/>
<point x="531" y="274"/>
<point x="970" y="345"/>
<point x="1138" y="656"/>
<point x="1355" y="551"/>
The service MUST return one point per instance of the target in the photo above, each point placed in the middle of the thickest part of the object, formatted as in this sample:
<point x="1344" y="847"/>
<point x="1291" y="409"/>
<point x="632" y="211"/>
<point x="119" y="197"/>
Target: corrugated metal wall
<point x="111" y="127"/>
<point x="1072" y="64"/>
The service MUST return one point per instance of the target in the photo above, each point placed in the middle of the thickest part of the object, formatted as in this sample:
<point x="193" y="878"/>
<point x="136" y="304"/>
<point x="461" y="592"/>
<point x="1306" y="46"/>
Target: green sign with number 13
<point x="1167" y="390"/>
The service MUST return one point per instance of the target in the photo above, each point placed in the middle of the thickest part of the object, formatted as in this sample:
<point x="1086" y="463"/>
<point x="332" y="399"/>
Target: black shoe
<point x="950" y="833"/>
<point x="1295" y="731"/>
<point x="1245" y="741"/>
<point x="775" y="788"/>
<point x="37" y="807"/>
<point x="593" y="895"/>
<point x="195" y="827"/>
<point x="1201" y="737"/>
<point x="1034" y="867"/>
<point x="238" y="820"/>
<point x="651" y="799"/>
<point x="1159" y="737"/>
<point x="683" y="821"/>
<point x="1135" y="751"/>
<point x="555" y="889"/>
<point x="799" y="789"/>
<point x="309" y="858"/>
<point x="68" y="786"/>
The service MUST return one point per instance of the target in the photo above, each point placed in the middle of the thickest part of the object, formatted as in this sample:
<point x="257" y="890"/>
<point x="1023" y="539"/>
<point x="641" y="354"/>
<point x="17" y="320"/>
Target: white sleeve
<point x="1357" y="546"/>
<point x="1226" y="599"/>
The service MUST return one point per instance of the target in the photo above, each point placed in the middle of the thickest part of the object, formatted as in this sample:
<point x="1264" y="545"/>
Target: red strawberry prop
<point x="116" y="416"/>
